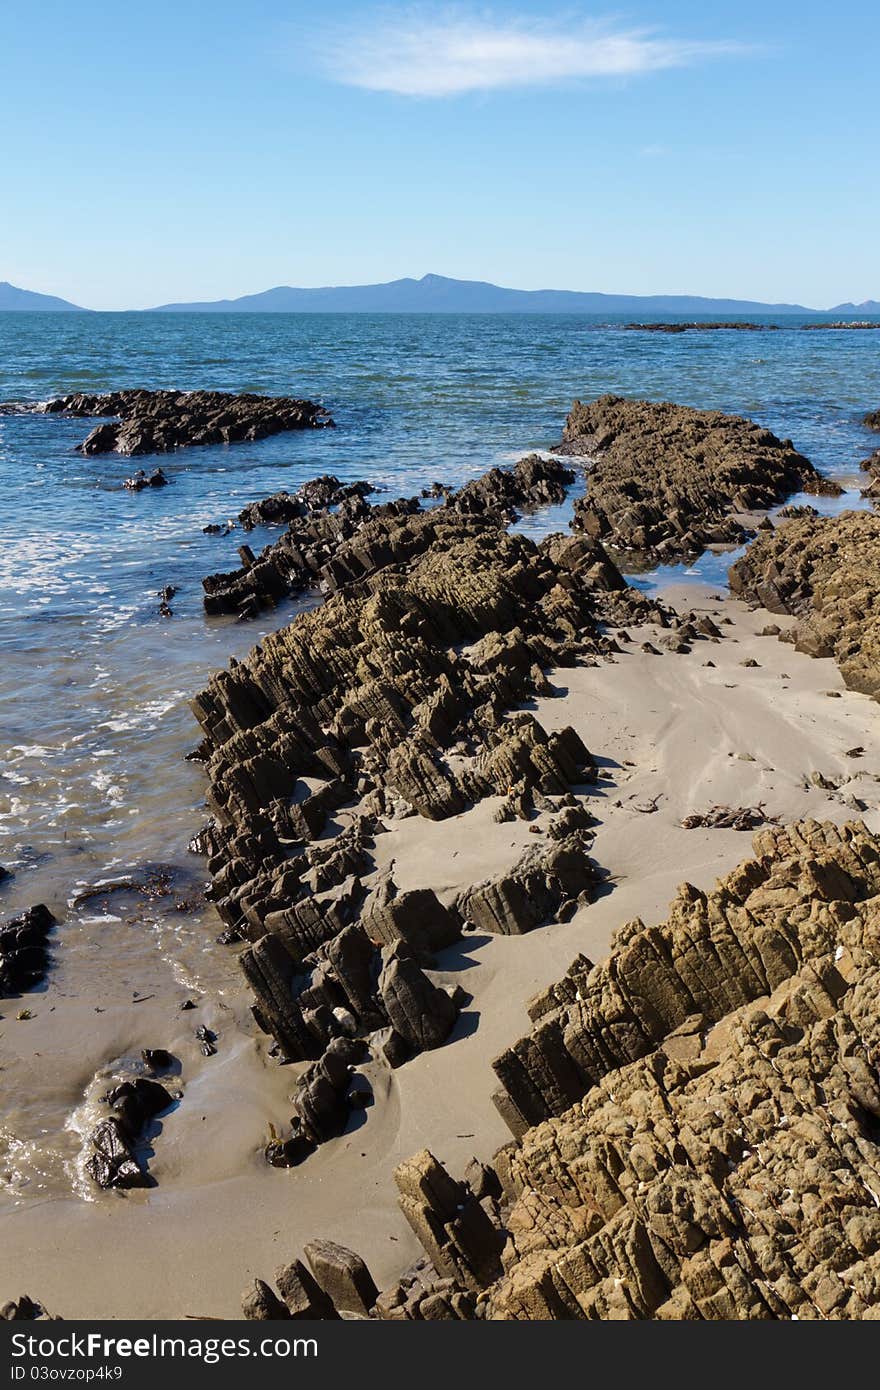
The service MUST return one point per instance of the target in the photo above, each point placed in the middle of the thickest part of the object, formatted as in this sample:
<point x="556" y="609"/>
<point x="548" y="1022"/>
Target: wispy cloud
<point x="424" y="53"/>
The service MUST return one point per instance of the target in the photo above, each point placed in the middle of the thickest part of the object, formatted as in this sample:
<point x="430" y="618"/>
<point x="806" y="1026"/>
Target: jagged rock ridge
<point x="825" y="571"/>
<point x="713" y="1146"/>
<point x="666" y="479"/>
<point x="154" y="422"/>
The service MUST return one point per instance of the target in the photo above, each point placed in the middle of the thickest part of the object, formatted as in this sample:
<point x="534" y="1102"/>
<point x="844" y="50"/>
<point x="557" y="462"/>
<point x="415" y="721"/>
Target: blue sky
<point x="197" y="150"/>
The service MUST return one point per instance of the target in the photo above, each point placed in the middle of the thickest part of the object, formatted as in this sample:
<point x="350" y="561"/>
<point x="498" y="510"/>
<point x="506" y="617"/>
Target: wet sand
<point x="665" y="727"/>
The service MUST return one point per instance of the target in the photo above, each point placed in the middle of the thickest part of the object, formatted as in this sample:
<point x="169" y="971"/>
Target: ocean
<point x="94" y="683"/>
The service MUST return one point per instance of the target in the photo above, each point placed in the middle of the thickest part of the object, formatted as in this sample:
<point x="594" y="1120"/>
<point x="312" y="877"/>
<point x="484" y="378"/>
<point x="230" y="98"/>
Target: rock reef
<point x="695" y="326"/>
<point x="696" y="1120"/>
<point x="666" y="480"/>
<point x="331" y="548"/>
<point x="826" y="572"/>
<point x="155" y="422"/>
<point x="396" y="697"/>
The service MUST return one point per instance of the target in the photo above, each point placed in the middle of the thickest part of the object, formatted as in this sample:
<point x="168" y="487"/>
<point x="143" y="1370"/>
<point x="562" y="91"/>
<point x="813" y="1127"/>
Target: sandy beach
<point x="679" y="731"/>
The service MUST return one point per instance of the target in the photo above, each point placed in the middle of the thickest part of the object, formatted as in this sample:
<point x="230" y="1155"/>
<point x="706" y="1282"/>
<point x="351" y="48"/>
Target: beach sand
<point x="665" y="728"/>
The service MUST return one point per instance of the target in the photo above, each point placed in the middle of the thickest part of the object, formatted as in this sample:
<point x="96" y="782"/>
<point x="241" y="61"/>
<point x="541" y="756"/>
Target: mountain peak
<point x="12" y="297"/>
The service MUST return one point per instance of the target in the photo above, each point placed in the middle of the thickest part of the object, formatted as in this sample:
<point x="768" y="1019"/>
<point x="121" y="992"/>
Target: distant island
<point x="438" y="294"/>
<point x="867" y="306"/>
<point x="11" y="297"/>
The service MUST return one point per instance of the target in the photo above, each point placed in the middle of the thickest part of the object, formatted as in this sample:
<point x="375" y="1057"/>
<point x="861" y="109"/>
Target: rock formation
<point x="665" y="479"/>
<point x="695" y="326"/>
<point x="330" y="549"/>
<point x="134" y="1104"/>
<point x="825" y="571"/>
<point x="24" y="953"/>
<point x="284" y="507"/>
<point x="396" y="697"/>
<point x="696" y="1119"/>
<point x="154" y="422"/>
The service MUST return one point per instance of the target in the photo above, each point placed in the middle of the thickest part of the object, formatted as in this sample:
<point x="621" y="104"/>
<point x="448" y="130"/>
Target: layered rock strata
<point x="826" y="572"/>
<point x="666" y="480"/>
<point x="154" y="422"/>
<point x="331" y="548"/>
<point x="392" y="698"/>
<point x="697" y="1119"/>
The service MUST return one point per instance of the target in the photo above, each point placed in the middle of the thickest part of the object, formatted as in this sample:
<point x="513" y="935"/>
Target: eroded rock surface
<point x="697" y="1118"/>
<point x="154" y="422"/>
<point x="667" y="479"/>
<point x="330" y="549"/>
<point x="396" y="697"/>
<point x="825" y="571"/>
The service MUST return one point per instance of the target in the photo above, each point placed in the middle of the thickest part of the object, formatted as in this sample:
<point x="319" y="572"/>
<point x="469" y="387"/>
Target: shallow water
<point x="94" y="684"/>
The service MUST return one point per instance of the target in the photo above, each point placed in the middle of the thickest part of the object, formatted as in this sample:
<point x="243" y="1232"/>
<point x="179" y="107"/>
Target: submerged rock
<point x="140" y="480"/>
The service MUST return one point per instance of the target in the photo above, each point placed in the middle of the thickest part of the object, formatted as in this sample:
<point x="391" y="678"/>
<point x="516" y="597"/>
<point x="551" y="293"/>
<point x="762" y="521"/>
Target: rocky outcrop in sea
<point x="666" y="481"/>
<point x="155" y="422"/>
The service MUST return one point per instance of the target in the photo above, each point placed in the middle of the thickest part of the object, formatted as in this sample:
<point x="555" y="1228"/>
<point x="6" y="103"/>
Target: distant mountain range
<point x="867" y="306"/>
<point x="438" y="294"/>
<point x="11" y="297"/>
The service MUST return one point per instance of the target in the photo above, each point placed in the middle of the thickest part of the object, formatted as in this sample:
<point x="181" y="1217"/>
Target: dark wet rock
<point x="826" y="572"/>
<point x="157" y="1058"/>
<point x="416" y="916"/>
<point x="134" y="1105"/>
<point x="336" y="548"/>
<point x="321" y="1103"/>
<point x="665" y="480"/>
<point x="872" y="419"/>
<point x="735" y="326"/>
<point x="797" y="510"/>
<point x="533" y="482"/>
<point x="207" y="1038"/>
<point x="153" y="422"/>
<point x="25" y="1309"/>
<point x="24" y="953"/>
<point x="284" y="507"/>
<point x="140" y="480"/>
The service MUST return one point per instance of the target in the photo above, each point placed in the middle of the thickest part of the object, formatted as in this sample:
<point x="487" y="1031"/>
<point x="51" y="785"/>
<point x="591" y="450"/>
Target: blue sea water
<point x="94" y="683"/>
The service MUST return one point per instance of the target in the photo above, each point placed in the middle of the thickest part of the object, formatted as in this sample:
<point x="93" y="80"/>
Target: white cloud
<point x="423" y="54"/>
